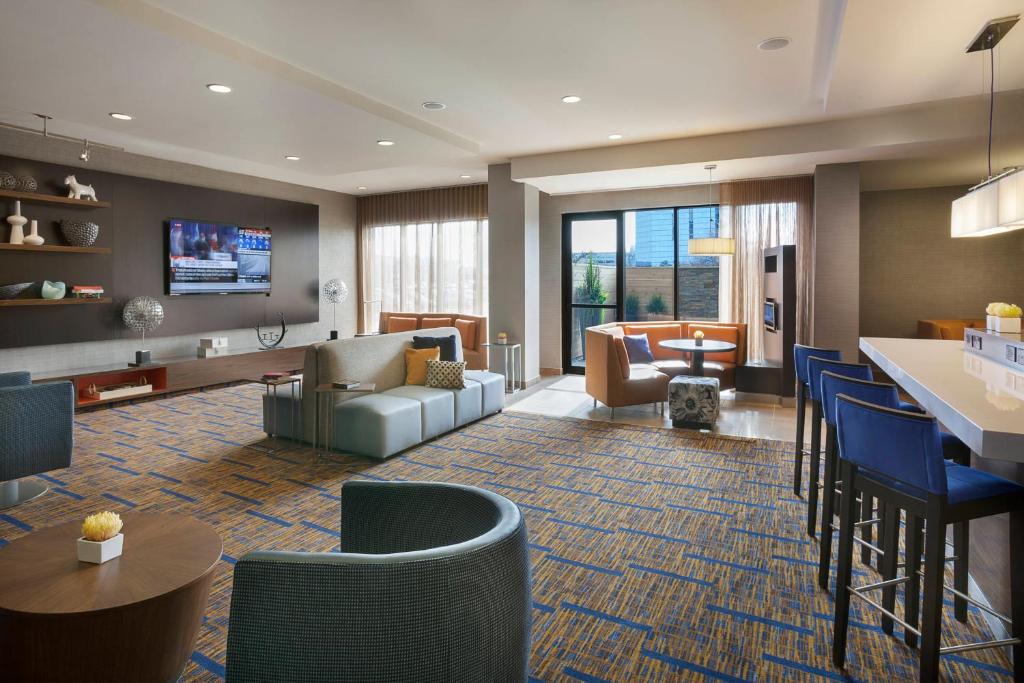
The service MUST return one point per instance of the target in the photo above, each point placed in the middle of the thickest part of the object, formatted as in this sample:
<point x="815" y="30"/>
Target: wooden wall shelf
<point x="36" y="198"/>
<point x="67" y="301"/>
<point x="54" y="248"/>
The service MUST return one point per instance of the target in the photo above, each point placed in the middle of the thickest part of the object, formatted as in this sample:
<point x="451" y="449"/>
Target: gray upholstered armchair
<point x="432" y="584"/>
<point x="36" y="433"/>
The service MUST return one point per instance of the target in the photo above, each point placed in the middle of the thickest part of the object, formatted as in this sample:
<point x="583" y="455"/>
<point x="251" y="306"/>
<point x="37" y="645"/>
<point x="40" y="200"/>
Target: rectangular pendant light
<point x="711" y="246"/>
<point x="990" y="209"/>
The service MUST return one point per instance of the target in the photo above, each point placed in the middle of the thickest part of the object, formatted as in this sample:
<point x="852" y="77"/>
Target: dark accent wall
<point x="134" y="227"/>
<point x="911" y="269"/>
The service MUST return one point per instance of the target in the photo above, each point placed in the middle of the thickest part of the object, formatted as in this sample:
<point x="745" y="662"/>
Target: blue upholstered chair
<point x="432" y="584"/>
<point x="36" y="433"/>
<point x="800" y="355"/>
<point x="815" y="366"/>
<point x="896" y="456"/>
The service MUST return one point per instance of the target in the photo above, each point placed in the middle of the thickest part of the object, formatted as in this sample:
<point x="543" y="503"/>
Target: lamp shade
<point x="991" y="209"/>
<point x="712" y="246"/>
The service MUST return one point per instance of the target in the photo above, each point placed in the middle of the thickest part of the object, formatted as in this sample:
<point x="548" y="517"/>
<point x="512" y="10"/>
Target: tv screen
<point x="215" y="258"/>
<point x="771" y="315"/>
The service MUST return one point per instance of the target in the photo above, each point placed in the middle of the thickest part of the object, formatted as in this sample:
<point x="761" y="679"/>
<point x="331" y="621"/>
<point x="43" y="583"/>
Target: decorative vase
<point x="17" y="222"/>
<point x="79" y="233"/>
<point x="33" y="237"/>
<point x="699" y="341"/>
<point x="53" y="290"/>
<point x="99" y="552"/>
<point x="996" y="324"/>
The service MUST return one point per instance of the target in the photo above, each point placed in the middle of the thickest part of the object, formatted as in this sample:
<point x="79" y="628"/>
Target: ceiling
<point x="325" y="83"/>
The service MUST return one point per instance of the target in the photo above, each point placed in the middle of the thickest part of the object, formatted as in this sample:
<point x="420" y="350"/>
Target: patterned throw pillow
<point x="446" y="374"/>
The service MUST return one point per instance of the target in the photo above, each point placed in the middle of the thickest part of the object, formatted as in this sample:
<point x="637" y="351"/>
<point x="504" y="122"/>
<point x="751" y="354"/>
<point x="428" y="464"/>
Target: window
<point x="426" y="267"/>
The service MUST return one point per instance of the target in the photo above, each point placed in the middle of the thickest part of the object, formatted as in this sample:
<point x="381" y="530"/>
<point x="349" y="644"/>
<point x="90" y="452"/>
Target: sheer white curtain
<point x="424" y="267"/>
<point x="760" y="214"/>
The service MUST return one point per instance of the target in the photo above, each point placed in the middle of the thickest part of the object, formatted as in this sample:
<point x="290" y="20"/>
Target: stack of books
<point x="212" y="346"/>
<point x="87" y="292"/>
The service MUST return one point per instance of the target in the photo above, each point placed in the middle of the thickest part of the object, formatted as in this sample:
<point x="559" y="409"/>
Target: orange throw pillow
<point x="416" y="364"/>
<point x="620" y="351"/>
<point x="467" y="330"/>
<point x="435" y="322"/>
<point x="401" y="324"/>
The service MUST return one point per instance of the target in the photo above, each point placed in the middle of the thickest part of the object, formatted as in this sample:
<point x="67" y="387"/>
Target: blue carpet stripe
<point x="244" y="499"/>
<point x="689" y="666"/>
<point x="310" y="525"/>
<point x="725" y="563"/>
<point x="269" y="518"/>
<point x="628" y="623"/>
<point x="176" y="494"/>
<point x="580" y="676"/>
<point x="671" y="575"/>
<point x="584" y="565"/>
<point x="580" y="525"/>
<point x="747" y="616"/>
<point x="703" y="511"/>
<point x="651" y="534"/>
<point x="116" y="499"/>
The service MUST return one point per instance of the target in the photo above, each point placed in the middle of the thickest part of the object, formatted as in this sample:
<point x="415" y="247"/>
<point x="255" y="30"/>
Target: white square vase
<point x="997" y="324"/>
<point x="99" y="552"/>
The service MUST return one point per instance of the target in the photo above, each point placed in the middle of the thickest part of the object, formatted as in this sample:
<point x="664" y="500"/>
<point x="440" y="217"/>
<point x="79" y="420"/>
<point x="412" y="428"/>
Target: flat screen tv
<point x="771" y="315"/>
<point x="216" y="258"/>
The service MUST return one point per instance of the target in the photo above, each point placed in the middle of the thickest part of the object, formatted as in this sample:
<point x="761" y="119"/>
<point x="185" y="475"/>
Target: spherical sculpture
<point x="27" y="183"/>
<point x="335" y="291"/>
<point x="143" y="314"/>
<point x="8" y="181"/>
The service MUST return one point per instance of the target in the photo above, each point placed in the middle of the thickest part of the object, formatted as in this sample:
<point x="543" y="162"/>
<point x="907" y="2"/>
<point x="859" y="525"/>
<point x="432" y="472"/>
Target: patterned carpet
<point x="657" y="554"/>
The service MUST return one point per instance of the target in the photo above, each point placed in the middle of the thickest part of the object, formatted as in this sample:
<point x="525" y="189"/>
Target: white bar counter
<point x="979" y="400"/>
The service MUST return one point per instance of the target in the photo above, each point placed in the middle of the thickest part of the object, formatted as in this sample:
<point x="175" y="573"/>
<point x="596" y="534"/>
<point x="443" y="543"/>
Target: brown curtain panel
<point x="759" y="214"/>
<point x="464" y="202"/>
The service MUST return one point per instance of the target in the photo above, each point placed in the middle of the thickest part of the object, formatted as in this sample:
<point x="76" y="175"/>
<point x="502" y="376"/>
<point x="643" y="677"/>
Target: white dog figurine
<point x="79" y="191"/>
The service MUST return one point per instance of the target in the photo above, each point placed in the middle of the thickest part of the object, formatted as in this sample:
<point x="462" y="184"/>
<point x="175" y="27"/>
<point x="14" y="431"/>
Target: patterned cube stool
<point x="693" y="401"/>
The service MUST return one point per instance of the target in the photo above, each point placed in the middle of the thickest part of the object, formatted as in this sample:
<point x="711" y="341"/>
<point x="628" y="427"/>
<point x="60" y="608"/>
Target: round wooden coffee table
<point x="133" y="618"/>
<point x="698" y="350"/>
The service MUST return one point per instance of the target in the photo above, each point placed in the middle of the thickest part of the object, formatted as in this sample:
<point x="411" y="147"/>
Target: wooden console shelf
<point x="60" y="248"/>
<point x="67" y="301"/>
<point x="180" y="374"/>
<point x="36" y="198"/>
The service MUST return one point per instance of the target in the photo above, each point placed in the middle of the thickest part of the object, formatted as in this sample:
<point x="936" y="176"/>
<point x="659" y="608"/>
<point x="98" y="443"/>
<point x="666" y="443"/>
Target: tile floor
<point x="566" y="396"/>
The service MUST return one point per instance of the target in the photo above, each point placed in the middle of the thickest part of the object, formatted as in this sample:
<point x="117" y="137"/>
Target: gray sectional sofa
<point x="395" y="416"/>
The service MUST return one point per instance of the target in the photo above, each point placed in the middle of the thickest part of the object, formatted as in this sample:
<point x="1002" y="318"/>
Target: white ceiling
<point x="324" y="79"/>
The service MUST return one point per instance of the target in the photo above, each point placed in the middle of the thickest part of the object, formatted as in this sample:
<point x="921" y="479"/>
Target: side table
<point x="133" y="618"/>
<point x="329" y="391"/>
<point x="513" y="380"/>
<point x="270" y="386"/>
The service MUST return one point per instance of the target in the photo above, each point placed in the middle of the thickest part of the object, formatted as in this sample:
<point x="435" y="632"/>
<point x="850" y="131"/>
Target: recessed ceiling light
<point x="218" y="88"/>
<point x="770" y="44"/>
<point x="385" y="143"/>
<point x="571" y="99"/>
<point x="434" y="106"/>
<point x="465" y="177"/>
<point x="615" y="136"/>
<point x="292" y="157"/>
<point x="361" y="187"/>
<point x="119" y="116"/>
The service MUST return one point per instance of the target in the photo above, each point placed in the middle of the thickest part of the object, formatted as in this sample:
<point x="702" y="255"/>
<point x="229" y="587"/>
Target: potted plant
<point x="698" y="338"/>
<point x="1003" y="317"/>
<point x="101" y="539"/>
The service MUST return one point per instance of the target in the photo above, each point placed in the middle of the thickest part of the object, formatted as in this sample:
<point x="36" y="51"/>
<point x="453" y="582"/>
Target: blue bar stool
<point x="815" y="364"/>
<point x="800" y="355"/>
<point x="885" y="395"/>
<point x="896" y="456"/>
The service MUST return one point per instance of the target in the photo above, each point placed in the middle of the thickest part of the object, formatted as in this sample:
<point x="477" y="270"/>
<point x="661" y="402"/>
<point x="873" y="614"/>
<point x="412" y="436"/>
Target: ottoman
<point x="693" y="401"/>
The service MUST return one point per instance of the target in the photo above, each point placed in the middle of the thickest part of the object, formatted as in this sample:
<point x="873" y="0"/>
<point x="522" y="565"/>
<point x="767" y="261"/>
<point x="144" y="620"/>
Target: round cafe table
<point x="698" y="351"/>
<point x="133" y="618"/>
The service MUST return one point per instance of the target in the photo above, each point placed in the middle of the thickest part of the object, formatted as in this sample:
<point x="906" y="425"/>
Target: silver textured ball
<point x="8" y="181"/>
<point x="335" y="291"/>
<point x="79" y="233"/>
<point x="27" y="183"/>
<point x="143" y="314"/>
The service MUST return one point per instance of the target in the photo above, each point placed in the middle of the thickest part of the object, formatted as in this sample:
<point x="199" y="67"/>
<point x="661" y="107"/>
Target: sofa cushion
<point x="448" y="345"/>
<point x="416" y="364"/>
<point x="377" y="425"/>
<point x="468" y="403"/>
<point x="492" y="386"/>
<point x="467" y="330"/>
<point x="397" y="323"/>
<point x="724" y="333"/>
<point x="437" y="408"/>
<point x="622" y="355"/>
<point x="446" y="374"/>
<point x="638" y="347"/>
<point x="672" y="368"/>
<point x="656" y="334"/>
<point x="426" y="323"/>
